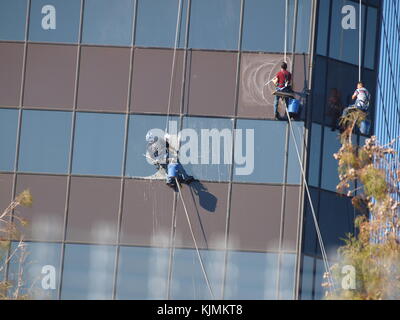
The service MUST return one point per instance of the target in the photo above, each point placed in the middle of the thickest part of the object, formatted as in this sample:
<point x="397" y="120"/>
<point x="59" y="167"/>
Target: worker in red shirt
<point x="283" y="83"/>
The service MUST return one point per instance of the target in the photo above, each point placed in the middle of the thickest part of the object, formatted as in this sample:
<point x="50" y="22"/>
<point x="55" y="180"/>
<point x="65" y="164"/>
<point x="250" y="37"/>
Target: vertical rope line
<point x="178" y="23"/>
<point x="286" y="26"/>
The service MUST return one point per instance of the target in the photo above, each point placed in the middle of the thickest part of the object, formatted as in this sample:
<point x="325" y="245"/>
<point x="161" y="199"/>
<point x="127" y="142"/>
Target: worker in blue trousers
<point x="283" y="83"/>
<point x="162" y="154"/>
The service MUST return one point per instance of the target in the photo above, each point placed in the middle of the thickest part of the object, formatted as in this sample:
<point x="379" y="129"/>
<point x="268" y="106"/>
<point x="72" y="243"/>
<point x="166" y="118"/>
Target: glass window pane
<point x="212" y="83"/>
<point x="153" y="73"/>
<point x="88" y="272"/>
<point x="206" y="148"/>
<point x="50" y="76"/>
<point x="370" y="43"/>
<point x="188" y="280"/>
<point x="294" y="174"/>
<point x="263" y="207"/>
<point x="214" y="24"/>
<point x="137" y="164"/>
<point x="103" y="79"/>
<point x="156" y="23"/>
<point x="142" y="273"/>
<point x="140" y="198"/>
<point x="268" y="16"/>
<point x="323" y="27"/>
<point x="108" y="22"/>
<point x="287" y="276"/>
<point x="54" y="20"/>
<point x="303" y="26"/>
<point x="251" y="276"/>
<point x="314" y="155"/>
<point x="11" y="57"/>
<point x="268" y="135"/>
<point x="344" y="42"/>
<point x="46" y="215"/>
<point x="330" y="175"/>
<point x="13" y="19"/>
<point x="93" y="210"/>
<point x="307" y="276"/>
<point x="45" y="141"/>
<point x="319" y="91"/>
<point x="41" y="270"/>
<point x="319" y="279"/>
<point x="6" y="187"/>
<point x="8" y="138"/>
<point x="98" y="145"/>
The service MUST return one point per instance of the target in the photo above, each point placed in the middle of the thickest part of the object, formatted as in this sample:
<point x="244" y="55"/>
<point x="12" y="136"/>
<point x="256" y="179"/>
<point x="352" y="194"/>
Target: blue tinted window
<point x="330" y="176"/>
<point x="8" y="137"/>
<point x="251" y="275"/>
<point x="269" y="151"/>
<point x="188" y="280"/>
<point x="108" y="22"/>
<point x="268" y="16"/>
<point x="370" y="43"/>
<point x="211" y="139"/>
<point x="156" y="23"/>
<point x="137" y="164"/>
<point x="54" y="20"/>
<point x="323" y="27"/>
<point x="303" y="26"/>
<point x="307" y="275"/>
<point x="45" y="141"/>
<point x="315" y="152"/>
<point x="287" y="276"/>
<point x="41" y="265"/>
<point x="88" y="272"/>
<point x="344" y="42"/>
<point x="142" y="273"/>
<point x="319" y="280"/>
<point x="294" y="174"/>
<point x="214" y="24"/>
<point x="13" y="19"/>
<point x="98" y="147"/>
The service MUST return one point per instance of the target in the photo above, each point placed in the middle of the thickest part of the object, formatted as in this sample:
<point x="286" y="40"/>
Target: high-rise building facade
<point x="83" y="81"/>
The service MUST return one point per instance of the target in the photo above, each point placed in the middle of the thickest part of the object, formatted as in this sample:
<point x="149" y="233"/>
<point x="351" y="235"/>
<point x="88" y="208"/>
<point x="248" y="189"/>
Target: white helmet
<point x="150" y="138"/>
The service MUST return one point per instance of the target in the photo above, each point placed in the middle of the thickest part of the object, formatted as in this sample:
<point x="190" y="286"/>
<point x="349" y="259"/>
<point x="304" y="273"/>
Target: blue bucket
<point x="365" y="126"/>
<point x="294" y="106"/>
<point x="173" y="170"/>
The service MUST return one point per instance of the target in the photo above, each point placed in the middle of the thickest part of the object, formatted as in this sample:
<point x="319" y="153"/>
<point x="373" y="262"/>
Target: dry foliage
<point x="374" y="251"/>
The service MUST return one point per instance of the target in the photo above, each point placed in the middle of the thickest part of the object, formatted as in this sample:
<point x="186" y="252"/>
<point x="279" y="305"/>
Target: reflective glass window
<point x="88" y="272"/>
<point x="156" y="23"/>
<point x="50" y="76"/>
<point x="142" y="273"/>
<point x="323" y="27"/>
<point x="188" y="280"/>
<point x="98" y="144"/>
<point x="214" y="24"/>
<point x="330" y="175"/>
<point x="108" y="22"/>
<point x="307" y="276"/>
<point x="13" y="19"/>
<point x="303" y="25"/>
<point x="8" y="138"/>
<point x="251" y="276"/>
<point x="45" y="141"/>
<point x="268" y="16"/>
<point x="287" y="276"/>
<point x="11" y="57"/>
<point x="54" y="20"/>
<point x="41" y="270"/>
<point x="370" y="43"/>
<point x="344" y="36"/>
<point x="206" y="148"/>
<point x="314" y="155"/>
<point x="296" y="141"/>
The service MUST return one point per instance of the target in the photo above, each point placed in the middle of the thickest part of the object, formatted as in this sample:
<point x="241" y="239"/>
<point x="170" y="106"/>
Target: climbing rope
<point x="194" y="241"/>
<point x="319" y="236"/>
<point x="178" y="23"/>
<point x="286" y="27"/>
